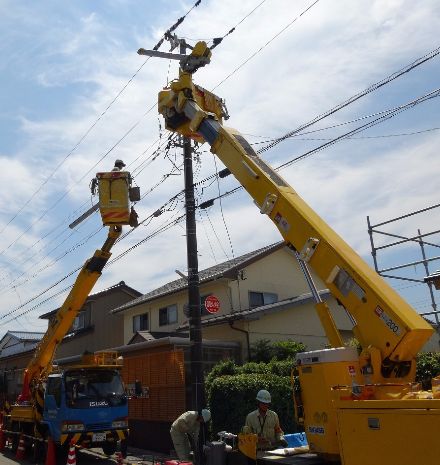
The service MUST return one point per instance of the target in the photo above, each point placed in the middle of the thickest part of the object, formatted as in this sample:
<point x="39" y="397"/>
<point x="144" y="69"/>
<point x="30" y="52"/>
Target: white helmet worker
<point x="206" y="415"/>
<point x="263" y="396"/>
<point x="119" y="163"/>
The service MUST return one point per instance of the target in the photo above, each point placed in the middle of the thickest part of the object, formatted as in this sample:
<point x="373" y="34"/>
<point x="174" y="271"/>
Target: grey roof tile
<point x="27" y="336"/>
<point x="120" y="285"/>
<point x="220" y="270"/>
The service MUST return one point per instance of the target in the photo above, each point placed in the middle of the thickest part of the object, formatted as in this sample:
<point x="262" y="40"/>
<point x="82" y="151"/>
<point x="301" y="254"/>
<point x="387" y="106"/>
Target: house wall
<point x="106" y="329"/>
<point x="300" y="324"/>
<point x="11" y="373"/>
<point x="277" y="273"/>
<point x="220" y="288"/>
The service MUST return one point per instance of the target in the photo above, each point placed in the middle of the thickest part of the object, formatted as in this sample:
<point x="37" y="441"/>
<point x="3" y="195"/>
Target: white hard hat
<point x="206" y="415"/>
<point x="264" y="396"/>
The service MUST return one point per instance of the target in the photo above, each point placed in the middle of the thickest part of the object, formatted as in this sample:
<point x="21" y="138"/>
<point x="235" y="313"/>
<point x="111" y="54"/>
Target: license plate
<point x="99" y="437"/>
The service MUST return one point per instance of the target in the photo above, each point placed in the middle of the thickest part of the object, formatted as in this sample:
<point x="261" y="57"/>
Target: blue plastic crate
<point x="296" y="440"/>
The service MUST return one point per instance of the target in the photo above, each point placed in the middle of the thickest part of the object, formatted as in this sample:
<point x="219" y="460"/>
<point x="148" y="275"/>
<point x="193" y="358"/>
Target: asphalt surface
<point x="88" y="457"/>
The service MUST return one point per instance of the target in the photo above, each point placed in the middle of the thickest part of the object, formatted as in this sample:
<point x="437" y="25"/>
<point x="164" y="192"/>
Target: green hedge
<point x="231" y="389"/>
<point x="428" y="366"/>
<point x="232" y="397"/>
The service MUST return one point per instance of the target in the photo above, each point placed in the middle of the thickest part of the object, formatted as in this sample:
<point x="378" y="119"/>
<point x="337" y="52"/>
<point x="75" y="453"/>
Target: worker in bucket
<point x="119" y="165"/>
<point x="265" y="423"/>
<point x="186" y="428"/>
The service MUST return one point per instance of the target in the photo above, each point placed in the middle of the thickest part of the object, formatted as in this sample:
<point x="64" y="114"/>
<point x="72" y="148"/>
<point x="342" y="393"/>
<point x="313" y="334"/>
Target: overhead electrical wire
<point x="11" y="284"/>
<point x="387" y="115"/>
<point x="266" y="44"/>
<point x="384" y="116"/>
<point x="297" y="136"/>
<point x="89" y="236"/>
<point x="83" y="137"/>
<point x="283" y="136"/>
<point x="368" y="90"/>
<point x="218" y="40"/>
<point x="156" y="153"/>
<point x="390" y="114"/>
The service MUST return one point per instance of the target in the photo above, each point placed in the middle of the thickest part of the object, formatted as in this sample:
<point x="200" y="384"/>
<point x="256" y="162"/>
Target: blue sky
<point x="63" y="63"/>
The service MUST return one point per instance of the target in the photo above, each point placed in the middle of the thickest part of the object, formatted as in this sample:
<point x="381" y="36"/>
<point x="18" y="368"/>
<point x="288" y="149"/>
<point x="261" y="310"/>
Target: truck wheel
<point x="109" y="448"/>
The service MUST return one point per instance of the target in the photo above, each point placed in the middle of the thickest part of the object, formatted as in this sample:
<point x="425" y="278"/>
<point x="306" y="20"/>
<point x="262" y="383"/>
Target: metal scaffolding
<point x="419" y="240"/>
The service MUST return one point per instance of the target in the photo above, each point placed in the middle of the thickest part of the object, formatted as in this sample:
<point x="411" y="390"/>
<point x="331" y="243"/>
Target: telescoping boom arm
<point x="114" y="206"/>
<point x="384" y="322"/>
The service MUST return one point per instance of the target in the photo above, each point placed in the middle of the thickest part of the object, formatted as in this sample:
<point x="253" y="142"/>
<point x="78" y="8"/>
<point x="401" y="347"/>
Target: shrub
<point x="262" y="351"/>
<point x="231" y="398"/>
<point x="283" y="350"/>
<point x="265" y="350"/>
<point x="428" y="366"/>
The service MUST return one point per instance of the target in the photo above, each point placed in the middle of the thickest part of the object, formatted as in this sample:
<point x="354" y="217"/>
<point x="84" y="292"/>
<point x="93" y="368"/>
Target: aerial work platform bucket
<point x="114" y="202"/>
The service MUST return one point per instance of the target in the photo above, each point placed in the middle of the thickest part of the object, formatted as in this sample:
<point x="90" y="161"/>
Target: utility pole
<point x="195" y="325"/>
<point x="198" y="401"/>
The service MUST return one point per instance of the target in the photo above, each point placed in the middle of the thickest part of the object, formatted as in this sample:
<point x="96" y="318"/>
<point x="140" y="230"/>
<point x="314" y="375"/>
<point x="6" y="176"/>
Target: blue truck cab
<point x="86" y="405"/>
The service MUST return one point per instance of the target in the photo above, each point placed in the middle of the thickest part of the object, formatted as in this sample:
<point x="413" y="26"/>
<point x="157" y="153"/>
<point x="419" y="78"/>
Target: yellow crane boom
<point x="353" y="407"/>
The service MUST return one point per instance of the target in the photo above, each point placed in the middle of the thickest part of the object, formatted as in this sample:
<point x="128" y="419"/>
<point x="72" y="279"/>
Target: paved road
<point x="82" y="458"/>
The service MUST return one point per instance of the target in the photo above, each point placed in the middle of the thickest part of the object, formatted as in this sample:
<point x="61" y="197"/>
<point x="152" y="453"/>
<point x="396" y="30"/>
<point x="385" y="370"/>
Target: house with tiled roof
<point x="16" y="349"/>
<point x="95" y="328"/>
<point x="261" y="295"/>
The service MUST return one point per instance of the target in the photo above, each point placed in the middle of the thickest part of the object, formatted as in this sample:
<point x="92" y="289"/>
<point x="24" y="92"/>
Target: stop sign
<point x="212" y="304"/>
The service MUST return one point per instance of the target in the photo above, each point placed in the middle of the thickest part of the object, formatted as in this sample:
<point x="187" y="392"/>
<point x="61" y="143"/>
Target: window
<point x="257" y="299"/>
<point x="140" y="322"/>
<point x="53" y="388"/>
<point x="168" y="315"/>
<point x="79" y="321"/>
<point x="83" y="319"/>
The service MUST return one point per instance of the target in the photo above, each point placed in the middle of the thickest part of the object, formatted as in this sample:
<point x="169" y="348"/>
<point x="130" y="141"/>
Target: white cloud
<point x="331" y="52"/>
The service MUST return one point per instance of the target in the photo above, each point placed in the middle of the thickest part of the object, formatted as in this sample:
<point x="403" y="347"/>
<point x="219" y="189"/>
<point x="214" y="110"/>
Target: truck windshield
<point x="87" y="388"/>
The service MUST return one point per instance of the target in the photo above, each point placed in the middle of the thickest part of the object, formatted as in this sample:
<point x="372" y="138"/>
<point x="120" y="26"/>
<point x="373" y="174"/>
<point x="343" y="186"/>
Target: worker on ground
<point x="119" y="165"/>
<point x="187" y="427"/>
<point x="265" y="423"/>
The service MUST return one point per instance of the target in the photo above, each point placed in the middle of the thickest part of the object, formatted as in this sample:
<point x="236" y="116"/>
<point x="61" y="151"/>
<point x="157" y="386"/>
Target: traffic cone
<point x="20" y="449"/>
<point x="50" y="454"/>
<point x="71" y="456"/>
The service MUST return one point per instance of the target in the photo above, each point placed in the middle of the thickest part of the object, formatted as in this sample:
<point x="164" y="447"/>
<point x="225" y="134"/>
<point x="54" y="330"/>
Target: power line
<point x="218" y="40"/>
<point x="83" y="137"/>
<point x="390" y="114"/>
<point x="368" y="90"/>
<point x="163" y="179"/>
<point x="386" y="115"/>
<point x="266" y="44"/>
<point x="296" y="136"/>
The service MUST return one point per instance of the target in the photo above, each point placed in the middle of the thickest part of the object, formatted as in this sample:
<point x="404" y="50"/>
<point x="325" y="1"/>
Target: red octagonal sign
<point x="212" y="304"/>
